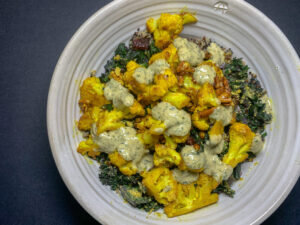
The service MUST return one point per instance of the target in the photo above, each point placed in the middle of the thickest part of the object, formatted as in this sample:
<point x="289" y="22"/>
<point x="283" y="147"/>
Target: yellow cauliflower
<point x="125" y="167"/>
<point x="170" y="143"/>
<point x="198" y="121"/>
<point x="109" y="120"/>
<point x="207" y="97"/>
<point x="161" y="185"/>
<point x="216" y="129"/>
<point x="180" y="139"/>
<point x="91" y="94"/>
<point x="149" y="93"/>
<point x="165" y="156"/>
<point x="154" y="127"/>
<point x="117" y="75"/>
<point x="88" y="118"/>
<point x="241" y="137"/>
<point x="88" y="147"/>
<point x="148" y="139"/>
<point x="167" y="27"/>
<point x="179" y="100"/>
<point x="135" y="110"/>
<point x="169" y="54"/>
<point x="193" y="196"/>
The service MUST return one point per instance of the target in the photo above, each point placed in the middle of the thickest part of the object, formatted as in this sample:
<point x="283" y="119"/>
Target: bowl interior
<point x="250" y="35"/>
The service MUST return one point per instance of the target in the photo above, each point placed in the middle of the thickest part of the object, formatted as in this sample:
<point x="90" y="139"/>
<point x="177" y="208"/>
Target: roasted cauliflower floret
<point x="241" y="137"/>
<point x="193" y="196"/>
<point x="117" y="75"/>
<point x="167" y="27"/>
<point x="136" y="109"/>
<point x="169" y="54"/>
<point x="207" y="97"/>
<point x="152" y="92"/>
<point x="88" y="147"/>
<point x="154" y="127"/>
<point x="177" y="99"/>
<point x="165" y="156"/>
<point x="127" y="168"/>
<point x="216" y="129"/>
<point x="88" y="118"/>
<point x="91" y="94"/>
<point x="161" y="185"/>
<point x="109" y="120"/>
<point x="148" y="139"/>
<point x="200" y="122"/>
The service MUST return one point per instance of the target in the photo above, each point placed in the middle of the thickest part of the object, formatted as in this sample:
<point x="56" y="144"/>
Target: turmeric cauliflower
<point x="241" y="138"/>
<point x="161" y="184"/>
<point x="193" y="196"/>
<point x="167" y="27"/>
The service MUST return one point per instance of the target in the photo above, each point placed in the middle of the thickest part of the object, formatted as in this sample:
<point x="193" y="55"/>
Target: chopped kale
<point x="237" y="69"/>
<point x="225" y="188"/>
<point x="247" y="92"/>
<point x="251" y="156"/>
<point x="135" y="197"/>
<point x="123" y="55"/>
<point x="237" y="172"/>
<point x="197" y="139"/>
<point x="195" y="136"/>
<point x="152" y="50"/>
<point x="131" y="187"/>
<point x="108" y="107"/>
<point x="225" y="150"/>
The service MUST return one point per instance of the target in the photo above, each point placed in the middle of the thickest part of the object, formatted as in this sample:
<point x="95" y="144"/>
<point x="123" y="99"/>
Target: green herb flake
<point x="108" y="107"/>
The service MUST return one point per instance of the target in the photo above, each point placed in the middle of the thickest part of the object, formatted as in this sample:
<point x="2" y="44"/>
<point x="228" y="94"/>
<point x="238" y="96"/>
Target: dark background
<point x="33" y="33"/>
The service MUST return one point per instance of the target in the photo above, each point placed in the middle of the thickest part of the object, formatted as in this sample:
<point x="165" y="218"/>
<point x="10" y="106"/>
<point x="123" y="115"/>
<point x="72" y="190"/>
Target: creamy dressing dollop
<point x="184" y="177"/>
<point x="204" y="73"/>
<point x="257" y="144"/>
<point x="146" y="75"/>
<point x="215" y="144"/>
<point x="177" y="122"/>
<point x="123" y="140"/>
<point x="118" y="94"/>
<point x="211" y="163"/>
<point x="217" y="54"/>
<point x="146" y="163"/>
<point x="222" y="114"/>
<point x="188" y="51"/>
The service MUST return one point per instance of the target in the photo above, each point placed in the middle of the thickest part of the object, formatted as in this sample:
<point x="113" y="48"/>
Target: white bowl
<point x="251" y="35"/>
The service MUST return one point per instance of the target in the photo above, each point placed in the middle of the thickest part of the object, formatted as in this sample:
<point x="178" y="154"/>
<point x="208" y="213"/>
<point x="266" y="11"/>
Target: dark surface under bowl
<point x="33" y="34"/>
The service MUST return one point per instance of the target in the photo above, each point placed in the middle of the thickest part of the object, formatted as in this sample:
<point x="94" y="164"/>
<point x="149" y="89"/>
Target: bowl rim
<point x="66" y="51"/>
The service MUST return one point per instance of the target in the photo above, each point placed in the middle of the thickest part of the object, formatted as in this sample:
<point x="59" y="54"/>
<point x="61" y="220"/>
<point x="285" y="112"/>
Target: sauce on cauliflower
<point x="177" y="122"/>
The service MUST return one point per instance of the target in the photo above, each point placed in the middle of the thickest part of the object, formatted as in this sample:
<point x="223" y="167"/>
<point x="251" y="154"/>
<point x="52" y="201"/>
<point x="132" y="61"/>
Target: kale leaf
<point x="126" y="54"/>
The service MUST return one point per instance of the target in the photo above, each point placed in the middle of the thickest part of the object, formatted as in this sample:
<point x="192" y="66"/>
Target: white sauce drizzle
<point x="217" y="54"/>
<point x="146" y="163"/>
<point x="211" y="163"/>
<point x="204" y="73"/>
<point x="146" y="75"/>
<point x="184" y="177"/>
<point x="223" y="114"/>
<point x="177" y="122"/>
<point x="124" y="140"/>
<point x="188" y="51"/>
<point x="118" y="94"/>
<point x="257" y="144"/>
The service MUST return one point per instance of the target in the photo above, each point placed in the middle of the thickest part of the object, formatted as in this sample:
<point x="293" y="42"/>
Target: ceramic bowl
<point x="235" y="24"/>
